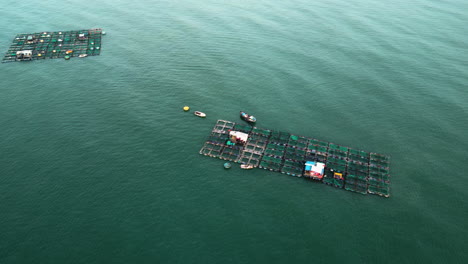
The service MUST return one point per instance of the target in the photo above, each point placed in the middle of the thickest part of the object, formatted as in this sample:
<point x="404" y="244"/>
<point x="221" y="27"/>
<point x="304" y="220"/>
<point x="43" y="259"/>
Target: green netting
<point x="271" y="159"/>
<point x="336" y="167"/>
<point x="291" y="171"/>
<point x="318" y="142"/>
<point x="294" y="156"/>
<point x="212" y="150"/>
<point x="338" y="183"/>
<point x="357" y="174"/>
<point x="299" y="151"/>
<point x="253" y="148"/>
<point x="274" y="152"/>
<point x="298" y="144"/>
<point x="356" y="188"/>
<point x="378" y="170"/>
<point x="322" y="149"/>
<point x="378" y="191"/>
<point x="312" y="147"/>
<point x="258" y="137"/>
<point x="294" y="140"/>
<point x="231" y="153"/>
<point x="359" y="159"/>
<point x="338" y="153"/>
<point x="321" y="157"/>
<point x="337" y="161"/>
<point x="261" y="131"/>
<point x="328" y="180"/>
<point x="381" y="177"/>
<point x="379" y="157"/>
<point x="242" y="128"/>
<point x="358" y="153"/>
<point x="275" y="146"/>
<point x="357" y="166"/>
<point x="293" y="163"/>
<point x="378" y="184"/>
<point x="279" y="137"/>
<point x="331" y="180"/>
<point x="217" y="140"/>
<point x="271" y="164"/>
<point x="333" y="146"/>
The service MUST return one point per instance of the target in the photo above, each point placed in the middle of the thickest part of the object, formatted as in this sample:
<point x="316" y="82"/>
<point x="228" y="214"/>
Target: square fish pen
<point x="345" y="168"/>
<point x="215" y="145"/>
<point x="294" y="156"/>
<point x="53" y="45"/>
<point x="255" y="147"/>
<point x="273" y="158"/>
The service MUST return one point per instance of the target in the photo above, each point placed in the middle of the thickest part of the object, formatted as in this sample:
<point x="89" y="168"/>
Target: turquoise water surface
<point x="99" y="164"/>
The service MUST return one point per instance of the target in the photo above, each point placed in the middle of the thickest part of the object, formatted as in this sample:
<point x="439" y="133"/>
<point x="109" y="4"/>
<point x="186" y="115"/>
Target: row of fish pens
<point x="56" y="44"/>
<point x="361" y="172"/>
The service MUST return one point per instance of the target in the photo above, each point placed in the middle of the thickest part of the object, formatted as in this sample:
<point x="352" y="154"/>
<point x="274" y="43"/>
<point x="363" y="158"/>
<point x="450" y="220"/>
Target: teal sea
<point x="99" y="164"/>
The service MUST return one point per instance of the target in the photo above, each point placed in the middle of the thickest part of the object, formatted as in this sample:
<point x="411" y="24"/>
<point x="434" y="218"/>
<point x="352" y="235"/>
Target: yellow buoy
<point x="186" y="108"/>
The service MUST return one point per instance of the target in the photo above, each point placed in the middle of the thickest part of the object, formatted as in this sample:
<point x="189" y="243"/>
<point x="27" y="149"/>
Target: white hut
<point x="24" y="54"/>
<point x="81" y="36"/>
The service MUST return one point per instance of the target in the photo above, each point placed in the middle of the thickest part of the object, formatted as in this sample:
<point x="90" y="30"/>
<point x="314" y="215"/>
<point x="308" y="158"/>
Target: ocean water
<point x="99" y="164"/>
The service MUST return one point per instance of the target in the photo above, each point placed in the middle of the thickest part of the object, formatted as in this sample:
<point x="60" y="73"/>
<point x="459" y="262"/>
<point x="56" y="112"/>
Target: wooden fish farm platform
<point x="53" y="45"/>
<point x="346" y="168"/>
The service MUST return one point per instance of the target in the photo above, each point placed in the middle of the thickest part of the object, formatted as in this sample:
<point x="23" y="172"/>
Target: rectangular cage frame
<point x="346" y="168"/>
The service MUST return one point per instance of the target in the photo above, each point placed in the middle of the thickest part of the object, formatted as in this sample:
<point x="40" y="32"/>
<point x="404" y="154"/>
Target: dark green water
<point x="99" y="164"/>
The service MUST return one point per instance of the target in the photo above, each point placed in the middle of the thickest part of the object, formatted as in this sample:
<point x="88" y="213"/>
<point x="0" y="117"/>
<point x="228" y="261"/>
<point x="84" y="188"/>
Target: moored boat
<point x="248" y="118"/>
<point x="82" y="55"/>
<point x="200" y="114"/>
<point x="246" y="167"/>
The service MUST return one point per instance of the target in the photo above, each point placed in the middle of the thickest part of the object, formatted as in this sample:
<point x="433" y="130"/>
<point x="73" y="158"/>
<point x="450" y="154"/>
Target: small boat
<point x="82" y="55"/>
<point x="200" y="114"/>
<point x="248" y="118"/>
<point x="246" y="167"/>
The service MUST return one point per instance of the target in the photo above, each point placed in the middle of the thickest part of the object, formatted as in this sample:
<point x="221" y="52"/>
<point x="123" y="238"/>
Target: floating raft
<point x="53" y="45"/>
<point x="357" y="170"/>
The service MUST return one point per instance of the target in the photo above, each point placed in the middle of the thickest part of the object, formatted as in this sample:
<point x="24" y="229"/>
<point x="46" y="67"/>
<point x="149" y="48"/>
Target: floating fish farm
<point x="343" y="167"/>
<point x="54" y="45"/>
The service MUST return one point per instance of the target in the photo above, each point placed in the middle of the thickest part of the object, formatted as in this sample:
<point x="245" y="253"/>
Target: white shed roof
<point x="24" y="52"/>
<point x="241" y="135"/>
